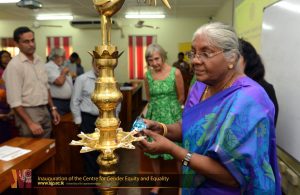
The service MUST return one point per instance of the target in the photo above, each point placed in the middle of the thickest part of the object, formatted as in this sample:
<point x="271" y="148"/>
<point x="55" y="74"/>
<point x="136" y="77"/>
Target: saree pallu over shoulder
<point x="236" y="128"/>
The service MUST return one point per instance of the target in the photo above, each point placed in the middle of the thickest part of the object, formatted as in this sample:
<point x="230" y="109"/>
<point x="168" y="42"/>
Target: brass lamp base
<point x="90" y="142"/>
<point x="107" y="136"/>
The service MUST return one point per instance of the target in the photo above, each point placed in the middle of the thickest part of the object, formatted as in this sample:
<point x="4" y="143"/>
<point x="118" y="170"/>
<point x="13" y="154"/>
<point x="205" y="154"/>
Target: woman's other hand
<point x="159" y="144"/>
<point x="154" y="126"/>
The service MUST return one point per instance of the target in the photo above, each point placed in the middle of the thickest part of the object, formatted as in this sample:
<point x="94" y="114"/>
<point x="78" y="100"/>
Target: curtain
<point x="136" y="50"/>
<point x="8" y="44"/>
<point x="60" y="42"/>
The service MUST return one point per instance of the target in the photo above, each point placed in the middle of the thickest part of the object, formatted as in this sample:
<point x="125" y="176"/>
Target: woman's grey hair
<point x="221" y="36"/>
<point x="56" y="52"/>
<point x="154" y="47"/>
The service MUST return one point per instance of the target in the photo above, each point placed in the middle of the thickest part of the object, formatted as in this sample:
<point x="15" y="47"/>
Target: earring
<point x="230" y="66"/>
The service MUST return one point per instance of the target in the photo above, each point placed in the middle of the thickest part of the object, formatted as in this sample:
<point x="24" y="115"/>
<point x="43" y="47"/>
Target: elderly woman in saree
<point x="227" y="128"/>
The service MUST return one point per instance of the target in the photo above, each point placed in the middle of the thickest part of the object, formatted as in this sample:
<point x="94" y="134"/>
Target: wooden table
<point x="40" y="159"/>
<point x="132" y="105"/>
<point x="68" y="158"/>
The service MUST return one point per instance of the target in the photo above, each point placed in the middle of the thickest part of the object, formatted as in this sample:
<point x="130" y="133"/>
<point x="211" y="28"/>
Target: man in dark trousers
<point x="27" y="89"/>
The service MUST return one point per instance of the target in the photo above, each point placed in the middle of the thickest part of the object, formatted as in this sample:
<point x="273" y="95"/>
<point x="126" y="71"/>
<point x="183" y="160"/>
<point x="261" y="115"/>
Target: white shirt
<point x="64" y="91"/>
<point x="81" y="98"/>
<point x="26" y="82"/>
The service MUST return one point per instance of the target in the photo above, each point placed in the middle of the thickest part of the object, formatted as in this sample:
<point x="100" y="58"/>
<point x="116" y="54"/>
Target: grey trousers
<point x="40" y="115"/>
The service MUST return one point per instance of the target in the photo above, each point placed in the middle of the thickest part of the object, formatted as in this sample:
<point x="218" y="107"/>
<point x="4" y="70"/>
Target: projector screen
<point x="281" y="56"/>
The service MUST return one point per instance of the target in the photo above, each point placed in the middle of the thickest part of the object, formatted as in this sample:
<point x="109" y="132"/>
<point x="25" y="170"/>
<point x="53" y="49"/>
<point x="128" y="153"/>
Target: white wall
<point x="171" y="32"/>
<point x="225" y="14"/>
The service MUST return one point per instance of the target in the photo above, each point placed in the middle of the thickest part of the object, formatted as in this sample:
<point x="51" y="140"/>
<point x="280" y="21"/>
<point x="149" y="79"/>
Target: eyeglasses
<point x="202" y="55"/>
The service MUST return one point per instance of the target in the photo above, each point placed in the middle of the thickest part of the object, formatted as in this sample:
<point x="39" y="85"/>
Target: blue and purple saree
<point x="236" y="128"/>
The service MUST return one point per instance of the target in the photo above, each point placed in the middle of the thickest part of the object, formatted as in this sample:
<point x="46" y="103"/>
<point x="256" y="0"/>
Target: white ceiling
<point x="84" y="9"/>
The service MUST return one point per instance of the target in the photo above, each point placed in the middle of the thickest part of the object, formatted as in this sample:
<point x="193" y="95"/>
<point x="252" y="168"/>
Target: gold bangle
<point x="164" y="128"/>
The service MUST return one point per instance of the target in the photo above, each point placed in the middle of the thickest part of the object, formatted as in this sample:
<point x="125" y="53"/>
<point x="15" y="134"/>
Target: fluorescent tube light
<point x="145" y="16"/>
<point x="9" y="1"/>
<point x="54" y="17"/>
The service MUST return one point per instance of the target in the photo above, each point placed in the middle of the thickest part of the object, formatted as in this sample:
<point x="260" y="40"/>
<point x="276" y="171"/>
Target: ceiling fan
<point x="37" y="25"/>
<point x="30" y="4"/>
<point x="140" y="24"/>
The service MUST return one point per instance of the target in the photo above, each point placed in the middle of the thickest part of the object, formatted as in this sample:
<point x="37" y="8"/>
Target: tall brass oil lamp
<point x="107" y="136"/>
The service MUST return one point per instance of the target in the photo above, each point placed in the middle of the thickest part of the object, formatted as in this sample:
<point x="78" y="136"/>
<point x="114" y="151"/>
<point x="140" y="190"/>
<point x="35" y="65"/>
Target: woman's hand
<point x="159" y="144"/>
<point x="154" y="126"/>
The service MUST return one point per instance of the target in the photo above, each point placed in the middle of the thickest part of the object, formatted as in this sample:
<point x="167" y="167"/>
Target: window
<point x="59" y="42"/>
<point x="136" y="50"/>
<point x="8" y="44"/>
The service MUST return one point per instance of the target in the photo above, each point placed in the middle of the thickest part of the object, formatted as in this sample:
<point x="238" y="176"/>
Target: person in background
<point x="74" y="65"/>
<point x="7" y="127"/>
<point x="185" y="70"/>
<point x="5" y="57"/>
<point x="47" y="59"/>
<point x="26" y="83"/>
<point x="79" y="67"/>
<point x="254" y="68"/>
<point x="165" y="93"/>
<point x="227" y="127"/>
<point x="61" y="84"/>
